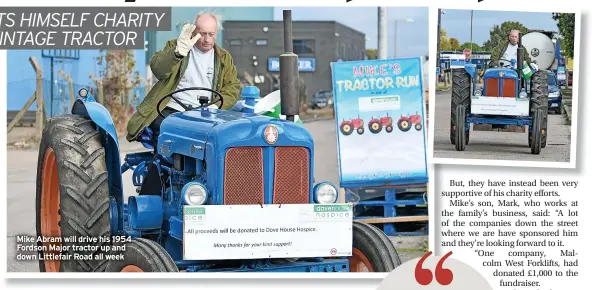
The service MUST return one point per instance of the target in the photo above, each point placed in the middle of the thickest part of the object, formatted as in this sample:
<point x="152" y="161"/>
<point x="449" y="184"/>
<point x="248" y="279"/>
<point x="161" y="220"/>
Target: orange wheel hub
<point x="50" y="204"/>
<point x="358" y="261"/>
<point x="131" y="268"/>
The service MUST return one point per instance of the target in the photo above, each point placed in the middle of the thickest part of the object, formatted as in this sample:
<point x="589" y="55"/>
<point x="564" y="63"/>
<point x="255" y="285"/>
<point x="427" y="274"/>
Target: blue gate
<point x="57" y="102"/>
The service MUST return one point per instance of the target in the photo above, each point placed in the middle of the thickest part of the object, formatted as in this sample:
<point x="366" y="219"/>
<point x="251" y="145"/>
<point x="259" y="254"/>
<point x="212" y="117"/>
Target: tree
<point x="119" y="80"/>
<point x="499" y="33"/>
<point x="566" y="23"/>
<point x="444" y="41"/>
<point x="372" y="53"/>
<point x="454" y="44"/>
<point x="474" y="48"/>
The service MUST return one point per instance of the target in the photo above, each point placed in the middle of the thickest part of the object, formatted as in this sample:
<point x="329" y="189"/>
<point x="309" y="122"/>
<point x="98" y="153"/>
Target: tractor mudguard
<point x="471" y="70"/>
<point x="88" y="107"/>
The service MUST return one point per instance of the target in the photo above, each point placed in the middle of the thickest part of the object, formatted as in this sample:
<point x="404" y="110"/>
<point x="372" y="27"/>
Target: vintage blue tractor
<point x="508" y="97"/>
<point x="208" y="157"/>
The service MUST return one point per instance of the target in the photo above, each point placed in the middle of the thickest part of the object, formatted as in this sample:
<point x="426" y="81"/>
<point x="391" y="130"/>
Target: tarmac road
<point x="22" y="166"/>
<point x="499" y="145"/>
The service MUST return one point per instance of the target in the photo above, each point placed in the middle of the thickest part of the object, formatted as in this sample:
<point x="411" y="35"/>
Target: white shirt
<point x="199" y="73"/>
<point x="511" y="53"/>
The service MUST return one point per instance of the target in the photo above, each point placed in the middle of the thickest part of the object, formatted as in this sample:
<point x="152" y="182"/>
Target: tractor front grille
<point x="291" y="175"/>
<point x="508" y="89"/>
<point x="243" y="176"/>
<point x="244" y="180"/>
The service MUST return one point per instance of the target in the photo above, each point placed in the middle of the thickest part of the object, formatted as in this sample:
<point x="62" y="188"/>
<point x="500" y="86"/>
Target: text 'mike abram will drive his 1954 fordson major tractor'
<point x="510" y="96"/>
<point x="213" y="161"/>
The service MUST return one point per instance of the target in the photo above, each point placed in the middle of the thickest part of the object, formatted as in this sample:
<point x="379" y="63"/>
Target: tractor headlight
<point x="325" y="193"/>
<point x="523" y="95"/>
<point x="554" y="95"/>
<point x="478" y="93"/>
<point x="194" y="193"/>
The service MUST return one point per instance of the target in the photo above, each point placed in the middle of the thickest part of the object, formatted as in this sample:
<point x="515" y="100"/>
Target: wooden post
<point x="99" y="84"/>
<point x="21" y="113"/>
<point x="70" y="85"/>
<point x="40" y="118"/>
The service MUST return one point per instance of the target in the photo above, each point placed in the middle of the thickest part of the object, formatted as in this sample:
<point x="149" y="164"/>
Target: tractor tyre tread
<point x="145" y="254"/>
<point x="461" y="95"/>
<point x="373" y="243"/>
<point x="84" y="189"/>
<point x="460" y="134"/>
<point x="540" y="100"/>
<point x="536" y="143"/>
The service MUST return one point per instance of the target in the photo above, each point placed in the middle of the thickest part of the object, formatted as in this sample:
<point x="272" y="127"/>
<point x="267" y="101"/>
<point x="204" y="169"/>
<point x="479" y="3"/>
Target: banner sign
<point x="379" y="107"/>
<point x="304" y="64"/>
<point x="220" y="232"/>
<point x="80" y="27"/>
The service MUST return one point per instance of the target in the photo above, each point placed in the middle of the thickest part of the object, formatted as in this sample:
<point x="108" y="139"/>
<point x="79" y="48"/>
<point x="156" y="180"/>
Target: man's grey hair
<point x="216" y="16"/>
<point x="514" y="30"/>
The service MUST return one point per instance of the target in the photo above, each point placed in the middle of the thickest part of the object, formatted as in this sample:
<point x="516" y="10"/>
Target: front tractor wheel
<point x="372" y="250"/>
<point x="142" y="255"/>
<point x="72" y="199"/>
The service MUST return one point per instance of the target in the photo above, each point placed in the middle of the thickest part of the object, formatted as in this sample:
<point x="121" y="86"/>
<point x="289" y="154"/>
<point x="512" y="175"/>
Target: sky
<point x="457" y="23"/>
<point x="414" y="36"/>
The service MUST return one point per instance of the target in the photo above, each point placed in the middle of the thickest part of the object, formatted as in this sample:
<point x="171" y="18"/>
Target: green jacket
<point x="169" y="70"/>
<point x="498" y="51"/>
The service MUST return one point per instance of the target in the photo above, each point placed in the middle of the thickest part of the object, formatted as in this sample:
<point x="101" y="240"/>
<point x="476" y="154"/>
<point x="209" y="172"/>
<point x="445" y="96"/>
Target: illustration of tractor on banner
<point x="348" y="126"/>
<point x="406" y="122"/>
<point x="376" y="124"/>
<point x="215" y="167"/>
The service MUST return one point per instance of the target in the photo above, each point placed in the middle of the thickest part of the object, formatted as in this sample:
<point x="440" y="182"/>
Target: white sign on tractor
<point x="222" y="232"/>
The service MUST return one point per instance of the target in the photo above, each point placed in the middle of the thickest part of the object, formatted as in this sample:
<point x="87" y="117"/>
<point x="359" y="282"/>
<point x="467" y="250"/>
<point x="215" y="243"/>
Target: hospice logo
<point x="194" y="214"/>
<point x="332" y="211"/>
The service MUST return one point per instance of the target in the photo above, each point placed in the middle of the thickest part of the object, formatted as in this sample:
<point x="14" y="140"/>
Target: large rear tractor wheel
<point x="536" y="133"/>
<point x="461" y="96"/>
<point x="539" y="101"/>
<point x="372" y="250"/>
<point x="460" y="141"/>
<point x="72" y="199"/>
<point x="142" y="255"/>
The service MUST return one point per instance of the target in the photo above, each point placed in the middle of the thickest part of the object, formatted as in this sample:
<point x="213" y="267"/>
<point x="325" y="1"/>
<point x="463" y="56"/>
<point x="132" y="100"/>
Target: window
<point x="261" y="42"/>
<point x="235" y="42"/>
<point x="303" y="46"/>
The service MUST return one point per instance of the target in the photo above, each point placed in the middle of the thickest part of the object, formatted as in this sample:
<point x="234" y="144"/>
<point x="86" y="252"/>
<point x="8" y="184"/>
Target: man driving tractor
<point x="192" y="60"/>
<point x="506" y="51"/>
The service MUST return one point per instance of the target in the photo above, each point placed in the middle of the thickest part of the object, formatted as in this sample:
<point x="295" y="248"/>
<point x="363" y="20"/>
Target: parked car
<point x="555" y="95"/>
<point x="321" y="100"/>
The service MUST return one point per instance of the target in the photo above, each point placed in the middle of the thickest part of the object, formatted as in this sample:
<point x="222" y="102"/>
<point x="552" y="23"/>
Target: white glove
<point x="185" y="42"/>
<point x="534" y="66"/>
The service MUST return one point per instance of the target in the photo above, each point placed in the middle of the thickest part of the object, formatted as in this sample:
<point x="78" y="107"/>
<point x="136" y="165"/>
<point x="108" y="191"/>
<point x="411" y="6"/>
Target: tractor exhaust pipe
<point x="520" y="59"/>
<point x="289" y="73"/>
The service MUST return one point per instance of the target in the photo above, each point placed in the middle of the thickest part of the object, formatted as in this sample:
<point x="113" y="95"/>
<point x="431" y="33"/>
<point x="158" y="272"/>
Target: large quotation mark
<point x="424" y="276"/>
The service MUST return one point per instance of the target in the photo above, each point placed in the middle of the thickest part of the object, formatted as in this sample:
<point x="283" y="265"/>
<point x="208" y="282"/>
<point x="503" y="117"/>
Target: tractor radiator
<point x="291" y="175"/>
<point x="493" y="88"/>
<point x="244" y="180"/>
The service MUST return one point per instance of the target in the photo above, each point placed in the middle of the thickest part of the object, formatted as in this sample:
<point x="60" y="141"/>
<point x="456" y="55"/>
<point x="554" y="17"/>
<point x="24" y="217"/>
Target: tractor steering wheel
<point x="202" y="100"/>
<point x="508" y="63"/>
